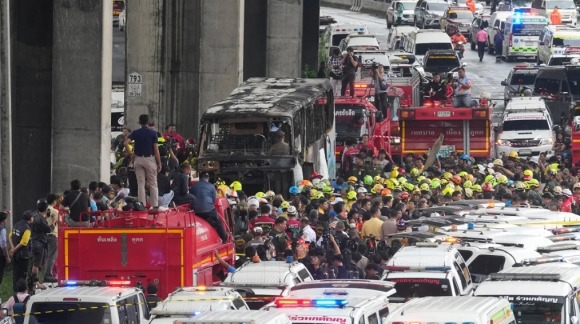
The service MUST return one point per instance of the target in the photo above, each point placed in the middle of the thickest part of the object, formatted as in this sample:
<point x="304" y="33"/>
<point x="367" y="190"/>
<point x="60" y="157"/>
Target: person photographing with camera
<point x="380" y="81"/>
<point x="348" y="72"/>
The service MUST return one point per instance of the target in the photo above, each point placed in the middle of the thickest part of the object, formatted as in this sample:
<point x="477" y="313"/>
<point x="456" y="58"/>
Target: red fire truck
<point x="174" y="247"/>
<point x="467" y="129"/>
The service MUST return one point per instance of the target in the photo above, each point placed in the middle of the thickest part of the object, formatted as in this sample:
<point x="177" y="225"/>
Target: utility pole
<point x="5" y="109"/>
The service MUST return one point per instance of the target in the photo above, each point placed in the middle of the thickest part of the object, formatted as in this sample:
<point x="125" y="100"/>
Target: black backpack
<point x="19" y="309"/>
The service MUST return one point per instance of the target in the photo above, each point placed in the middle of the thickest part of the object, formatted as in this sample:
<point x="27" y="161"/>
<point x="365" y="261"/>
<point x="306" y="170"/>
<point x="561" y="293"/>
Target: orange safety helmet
<point x="456" y="179"/>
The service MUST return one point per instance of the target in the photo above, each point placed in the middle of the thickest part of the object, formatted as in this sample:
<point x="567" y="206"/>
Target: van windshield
<point x="421" y="49"/>
<point x="408" y="288"/>
<point x="561" y="4"/>
<point x="537" y="309"/>
<point x="69" y="312"/>
<point x="525" y="125"/>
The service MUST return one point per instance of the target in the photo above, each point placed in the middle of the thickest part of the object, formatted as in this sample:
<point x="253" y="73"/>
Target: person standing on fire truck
<point x="348" y="72"/>
<point x="146" y="160"/>
<point x="204" y="204"/>
<point x="380" y="80"/>
<point x="335" y="71"/>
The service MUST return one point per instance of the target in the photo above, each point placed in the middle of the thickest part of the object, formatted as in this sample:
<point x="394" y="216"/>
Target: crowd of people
<point x="342" y="228"/>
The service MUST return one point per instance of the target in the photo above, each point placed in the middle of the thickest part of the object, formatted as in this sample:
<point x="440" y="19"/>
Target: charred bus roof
<point x="273" y="97"/>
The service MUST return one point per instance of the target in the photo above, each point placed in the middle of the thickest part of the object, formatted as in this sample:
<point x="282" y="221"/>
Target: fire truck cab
<point x="465" y="130"/>
<point x="174" y="248"/>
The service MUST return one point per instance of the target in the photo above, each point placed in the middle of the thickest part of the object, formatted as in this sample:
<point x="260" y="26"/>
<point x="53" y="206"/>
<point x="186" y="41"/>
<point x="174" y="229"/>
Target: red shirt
<point x="368" y="147"/>
<point x="175" y="137"/>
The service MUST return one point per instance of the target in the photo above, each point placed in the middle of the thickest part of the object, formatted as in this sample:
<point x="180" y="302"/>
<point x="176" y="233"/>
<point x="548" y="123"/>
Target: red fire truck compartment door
<point x="135" y="254"/>
<point x="417" y="136"/>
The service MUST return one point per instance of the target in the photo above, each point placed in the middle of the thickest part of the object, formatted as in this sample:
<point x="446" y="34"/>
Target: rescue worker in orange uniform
<point x="471" y="5"/>
<point x="556" y="17"/>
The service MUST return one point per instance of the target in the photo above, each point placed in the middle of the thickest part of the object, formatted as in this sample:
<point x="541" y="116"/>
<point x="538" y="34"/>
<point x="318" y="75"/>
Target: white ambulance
<point x="521" y="34"/>
<point x="428" y="269"/>
<point x="546" y="293"/>
<point x="334" y="309"/>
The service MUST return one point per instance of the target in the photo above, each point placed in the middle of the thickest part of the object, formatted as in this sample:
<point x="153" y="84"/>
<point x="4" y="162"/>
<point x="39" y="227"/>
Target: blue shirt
<point x="144" y="138"/>
<point x="205" y="195"/>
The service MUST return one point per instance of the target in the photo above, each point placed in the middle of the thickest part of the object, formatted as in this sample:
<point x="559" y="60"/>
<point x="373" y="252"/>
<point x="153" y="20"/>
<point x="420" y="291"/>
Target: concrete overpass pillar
<point x="31" y="98"/>
<point x="284" y="38"/>
<point x="189" y="55"/>
<point x="81" y="91"/>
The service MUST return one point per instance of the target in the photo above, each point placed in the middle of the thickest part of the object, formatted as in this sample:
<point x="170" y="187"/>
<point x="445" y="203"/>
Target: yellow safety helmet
<point x="402" y="180"/>
<point x="468" y="192"/>
<point x="222" y="190"/>
<point x="514" y="155"/>
<point x="420" y="178"/>
<point x="447" y="176"/>
<point x="378" y="179"/>
<point x="528" y="173"/>
<point x="470" y="178"/>
<point x="463" y="174"/>
<point x="476" y="188"/>
<point x="352" y="179"/>
<point x="377" y="188"/>
<point x="447" y="192"/>
<point x="394" y="174"/>
<point x="351" y="195"/>
<point x="520" y="185"/>
<point x="416" y="191"/>
<point x="260" y="194"/>
<point x="498" y="162"/>
<point x="284" y="205"/>
<point x="414" y="172"/>
<point x="502" y="179"/>
<point x="236" y="185"/>
<point x="467" y="184"/>
<point x="424" y="187"/>
<point x="534" y="183"/>
<point x="435" y="184"/>
<point x="408" y="186"/>
<point x="313" y="192"/>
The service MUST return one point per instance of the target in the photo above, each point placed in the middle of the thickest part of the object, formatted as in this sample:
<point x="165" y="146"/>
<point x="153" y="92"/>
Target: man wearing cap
<point x="293" y="224"/>
<point x="258" y="237"/>
<point x="280" y="147"/>
<point x="348" y="72"/>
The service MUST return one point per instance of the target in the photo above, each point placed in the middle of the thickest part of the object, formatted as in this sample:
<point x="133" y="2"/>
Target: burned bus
<point x="270" y="133"/>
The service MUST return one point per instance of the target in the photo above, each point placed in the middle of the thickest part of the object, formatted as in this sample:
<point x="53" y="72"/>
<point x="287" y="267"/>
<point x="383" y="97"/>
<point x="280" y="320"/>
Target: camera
<point x="374" y="67"/>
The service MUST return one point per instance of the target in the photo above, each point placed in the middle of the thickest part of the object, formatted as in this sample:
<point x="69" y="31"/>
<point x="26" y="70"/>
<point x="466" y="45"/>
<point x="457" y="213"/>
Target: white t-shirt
<point x="308" y="234"/>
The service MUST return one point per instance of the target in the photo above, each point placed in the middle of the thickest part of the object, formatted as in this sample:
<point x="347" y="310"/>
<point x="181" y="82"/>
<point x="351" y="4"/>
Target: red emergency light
<point x="479" y="113"/>
<point x="428" y="103"/>
<point x="407" y="114"/>
<point x="361" y="85"/>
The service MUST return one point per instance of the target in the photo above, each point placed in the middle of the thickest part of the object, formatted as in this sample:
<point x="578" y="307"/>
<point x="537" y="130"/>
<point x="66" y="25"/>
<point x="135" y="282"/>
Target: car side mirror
<point x="503" y="83"/>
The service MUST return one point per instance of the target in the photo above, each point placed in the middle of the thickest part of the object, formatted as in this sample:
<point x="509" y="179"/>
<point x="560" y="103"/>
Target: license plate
<point x="444" y="113"/>
<point x="525" y="152"/>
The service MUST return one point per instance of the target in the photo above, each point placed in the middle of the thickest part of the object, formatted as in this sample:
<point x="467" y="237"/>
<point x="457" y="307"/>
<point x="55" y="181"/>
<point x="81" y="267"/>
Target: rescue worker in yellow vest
<point x="555" y="16"/>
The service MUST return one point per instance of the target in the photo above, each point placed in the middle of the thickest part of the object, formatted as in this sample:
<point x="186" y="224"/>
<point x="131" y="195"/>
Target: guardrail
<point x="377" y="8"/>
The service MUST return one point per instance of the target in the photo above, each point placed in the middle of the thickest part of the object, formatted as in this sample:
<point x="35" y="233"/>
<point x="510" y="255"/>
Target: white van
<point x="464" y="309"/>
<point x="188" y="301"/>
<point x="428" y="269"/>
<point x="88" y="304"/>
<point x="266" y="279"/>
<point x="419" y="42"/>
<point x="567" y="9"/>
<point x="342" y="309"/>
<point x="497" y="20"/>
<point x="539" y="294"/>
<point x="354" y="287"/>
<point x="521" y="35"/>
<point x="556" y="40"/>
<point x="231" y="317"/>
<point x="334" y="33"/>
<point x="484" y="259"/>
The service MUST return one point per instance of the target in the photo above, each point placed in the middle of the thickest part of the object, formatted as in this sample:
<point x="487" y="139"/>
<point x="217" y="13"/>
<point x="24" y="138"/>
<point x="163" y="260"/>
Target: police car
<point x="264" y="281"/>
<point x="464" y="309"/>
<point x="191" y="301"/>
<point x="428" y="269"/>
<point x="111" y="302"/>
<point x="538" y="294"/>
